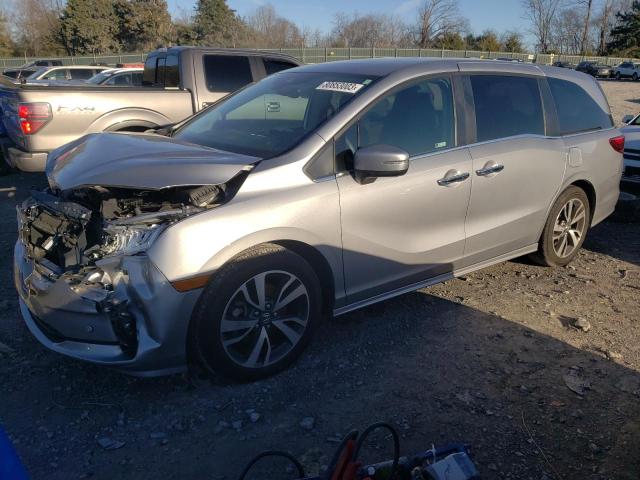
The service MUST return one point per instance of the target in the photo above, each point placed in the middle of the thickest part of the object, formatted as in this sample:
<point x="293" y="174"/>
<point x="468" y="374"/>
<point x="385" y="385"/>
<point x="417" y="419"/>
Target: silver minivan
<point x="316" y="191"/>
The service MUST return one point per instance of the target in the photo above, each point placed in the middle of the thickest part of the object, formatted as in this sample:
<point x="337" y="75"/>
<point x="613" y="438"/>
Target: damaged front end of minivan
<point x="87" y="287"/>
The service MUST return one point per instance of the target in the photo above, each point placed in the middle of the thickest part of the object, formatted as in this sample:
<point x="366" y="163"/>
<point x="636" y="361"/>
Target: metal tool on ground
<point x="450" y="462"/>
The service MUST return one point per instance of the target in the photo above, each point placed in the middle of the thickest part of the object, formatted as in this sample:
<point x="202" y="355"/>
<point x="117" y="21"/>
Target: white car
<point x="124" y="77"/>
<point x="631" y="132"/>
<point x="627" y="70"/>
<point x="69" y="73"/>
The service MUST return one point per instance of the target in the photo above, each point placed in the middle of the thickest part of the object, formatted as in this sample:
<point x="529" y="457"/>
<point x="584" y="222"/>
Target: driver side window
<point x="418" y="118"/>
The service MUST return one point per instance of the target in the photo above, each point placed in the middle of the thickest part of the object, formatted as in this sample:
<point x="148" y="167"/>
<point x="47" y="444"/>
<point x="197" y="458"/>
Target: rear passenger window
<point x="149" y="73"/>
<point x="226" y="73"/>
<point x="577" y="110"/>
<point x="506" y="106"/>
<point x="275" y="66"/>
<point x="171" y="72"/>
<point x="418" y="119"/>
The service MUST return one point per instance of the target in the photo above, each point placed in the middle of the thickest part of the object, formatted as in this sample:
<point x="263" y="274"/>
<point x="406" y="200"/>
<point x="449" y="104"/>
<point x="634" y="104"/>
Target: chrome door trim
<point x="488" y="170"/>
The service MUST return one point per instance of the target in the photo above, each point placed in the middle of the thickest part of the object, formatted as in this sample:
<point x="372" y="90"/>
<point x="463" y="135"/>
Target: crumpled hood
<point x="142" y="161"/>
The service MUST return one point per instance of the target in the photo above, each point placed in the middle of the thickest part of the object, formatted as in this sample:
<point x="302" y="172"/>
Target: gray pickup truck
<point x="177" y="82"/>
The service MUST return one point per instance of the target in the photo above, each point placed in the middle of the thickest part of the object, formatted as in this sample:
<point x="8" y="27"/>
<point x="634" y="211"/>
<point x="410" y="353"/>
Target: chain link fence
<point x="319" y="55"/>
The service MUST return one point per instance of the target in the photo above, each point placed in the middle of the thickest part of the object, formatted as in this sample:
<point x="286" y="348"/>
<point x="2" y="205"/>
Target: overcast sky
<point x="499" y="15"/>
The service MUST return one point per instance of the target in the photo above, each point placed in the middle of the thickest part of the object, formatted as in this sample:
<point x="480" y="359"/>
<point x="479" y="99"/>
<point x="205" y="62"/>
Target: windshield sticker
<point x="344" y="87"/>
<point x="441" y="144"/>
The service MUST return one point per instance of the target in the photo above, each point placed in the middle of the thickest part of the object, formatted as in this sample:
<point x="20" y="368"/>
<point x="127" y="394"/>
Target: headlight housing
<point x="130" y="239"/>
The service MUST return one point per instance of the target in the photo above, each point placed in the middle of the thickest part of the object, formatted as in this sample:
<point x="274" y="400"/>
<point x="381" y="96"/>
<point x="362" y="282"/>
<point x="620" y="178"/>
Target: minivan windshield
<point x="272" y="116"/>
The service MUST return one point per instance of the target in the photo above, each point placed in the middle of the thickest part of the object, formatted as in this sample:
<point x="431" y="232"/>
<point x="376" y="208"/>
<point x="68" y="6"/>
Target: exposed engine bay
<point x="72" y="229"/>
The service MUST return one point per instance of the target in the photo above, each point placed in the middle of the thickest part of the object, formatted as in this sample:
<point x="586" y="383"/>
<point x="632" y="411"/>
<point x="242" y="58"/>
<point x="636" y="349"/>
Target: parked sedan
<point x="595" y="69"/>
<point x="314" y="192"/>
<point x="122" y="77"/>
<point x="561" y="64"/>
<point x="627" y="70"/>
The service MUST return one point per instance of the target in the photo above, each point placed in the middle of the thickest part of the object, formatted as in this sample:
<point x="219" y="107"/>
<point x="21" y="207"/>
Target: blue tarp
<point x="10" y="466"/>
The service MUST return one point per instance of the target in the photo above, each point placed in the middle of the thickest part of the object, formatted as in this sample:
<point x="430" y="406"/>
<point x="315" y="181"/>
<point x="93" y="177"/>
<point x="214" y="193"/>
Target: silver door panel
<point x="398" y="231"/>
<point x="508" y="207"/>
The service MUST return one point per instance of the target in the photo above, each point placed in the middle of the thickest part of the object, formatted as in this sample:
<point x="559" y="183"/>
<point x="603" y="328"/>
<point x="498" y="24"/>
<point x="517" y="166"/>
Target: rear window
<point x="577" y="110"/>
<point x="226" y="73"/>
<point x="274" y="66"/>
<point x="506" y="106"/>
<point x="149" y="73"/>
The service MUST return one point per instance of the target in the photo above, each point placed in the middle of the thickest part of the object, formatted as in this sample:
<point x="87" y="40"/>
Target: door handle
<point x="488" y="170"/>
<point x="453" y="177"/>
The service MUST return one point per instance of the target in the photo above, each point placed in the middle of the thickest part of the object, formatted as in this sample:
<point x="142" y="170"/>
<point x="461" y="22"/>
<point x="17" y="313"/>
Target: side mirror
<point x="379" y="161"/>
<point x="627" y="119"/>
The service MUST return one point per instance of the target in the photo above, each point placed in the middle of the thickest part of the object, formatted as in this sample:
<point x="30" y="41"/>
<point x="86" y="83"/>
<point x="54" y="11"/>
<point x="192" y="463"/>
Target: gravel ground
<point x="538" y="369"/>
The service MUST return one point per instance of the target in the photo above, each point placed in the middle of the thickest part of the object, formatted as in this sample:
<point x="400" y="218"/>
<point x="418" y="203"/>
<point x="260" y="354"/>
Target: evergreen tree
<point x="89" y="27"/>
<point x="143" y="25"/>
<point x="625" y="37"/>
<point x="512" y="42"/>
<point x="215" y="24"/>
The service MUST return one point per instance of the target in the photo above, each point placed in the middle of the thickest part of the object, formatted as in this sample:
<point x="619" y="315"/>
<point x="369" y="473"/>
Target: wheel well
<point x="319" y="265"/>
<point x="591" y="194"/>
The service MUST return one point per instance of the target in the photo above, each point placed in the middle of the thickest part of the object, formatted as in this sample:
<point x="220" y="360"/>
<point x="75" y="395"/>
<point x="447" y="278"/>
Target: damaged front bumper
<point x="122" y="313"/>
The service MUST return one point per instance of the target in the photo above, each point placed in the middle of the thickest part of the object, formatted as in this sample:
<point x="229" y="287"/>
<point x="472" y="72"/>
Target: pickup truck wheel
<point x="257" y="314"/>
<point x="565" y="230"/>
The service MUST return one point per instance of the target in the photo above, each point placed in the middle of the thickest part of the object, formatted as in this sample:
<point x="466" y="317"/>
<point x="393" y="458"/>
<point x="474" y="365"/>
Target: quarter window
<point x="274" y="66"/>
<point x="226" y="73"/>
<point x="506" y="106"/>
<point x="577" y="110"/>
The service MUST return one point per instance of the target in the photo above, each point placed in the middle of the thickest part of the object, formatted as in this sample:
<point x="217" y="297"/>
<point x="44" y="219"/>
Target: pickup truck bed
<point x="77" y="111"/>
<point x="178" y="82"/>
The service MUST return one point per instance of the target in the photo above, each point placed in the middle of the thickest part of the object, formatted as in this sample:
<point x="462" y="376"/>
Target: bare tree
<point x="541" y="14"/>
<point x="36" y="26"/>
<point x="271" y="30"/>
<point x="369" y="31"/>
<point x="567" y="30"/>
<point x="585" y="30"/>
<point x="437" y="17"/>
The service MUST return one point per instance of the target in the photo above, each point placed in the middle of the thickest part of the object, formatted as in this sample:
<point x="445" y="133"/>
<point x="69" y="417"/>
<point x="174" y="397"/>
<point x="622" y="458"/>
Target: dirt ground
<point x="494" y="359"/>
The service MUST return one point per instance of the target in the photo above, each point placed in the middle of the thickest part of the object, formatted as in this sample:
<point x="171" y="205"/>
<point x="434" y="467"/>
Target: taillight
<point x="617" y="143"/>
<point x="33" y="116"/>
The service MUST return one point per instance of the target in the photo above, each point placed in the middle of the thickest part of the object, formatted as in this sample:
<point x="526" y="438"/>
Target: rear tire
<point x="565" y="229"/>
<point x="257" y="314"/>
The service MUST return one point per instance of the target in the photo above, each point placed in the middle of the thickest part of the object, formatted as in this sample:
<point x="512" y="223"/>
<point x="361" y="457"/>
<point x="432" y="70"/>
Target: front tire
<point x="257" y="314"/>
<point x="618" y="76"/>
<point x="634" y="77"/>
<point x="565" y="230"/>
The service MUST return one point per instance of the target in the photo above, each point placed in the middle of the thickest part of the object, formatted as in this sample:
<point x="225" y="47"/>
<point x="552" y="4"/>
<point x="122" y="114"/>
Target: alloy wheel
<point x="569" y="227"/>
<point x="265" y="319"/>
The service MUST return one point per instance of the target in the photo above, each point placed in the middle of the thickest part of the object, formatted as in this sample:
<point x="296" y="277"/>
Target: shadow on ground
<point x="530" y="405"/>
